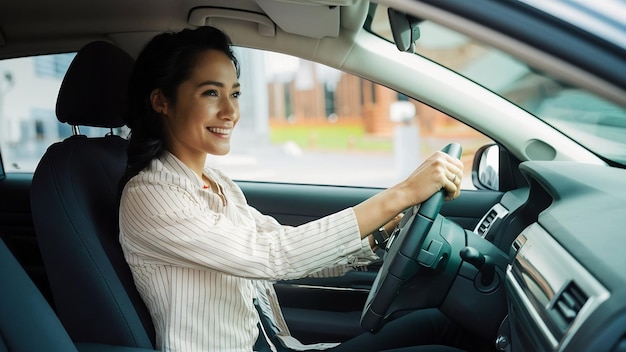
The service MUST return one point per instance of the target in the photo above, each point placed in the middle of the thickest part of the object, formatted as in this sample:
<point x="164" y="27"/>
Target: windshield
<point x="592" y="121"/>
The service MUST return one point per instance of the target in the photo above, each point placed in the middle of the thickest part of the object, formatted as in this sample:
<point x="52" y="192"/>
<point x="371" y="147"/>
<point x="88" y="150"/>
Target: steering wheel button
<point x="428" y="257"/>
<point x="425" y="258"/>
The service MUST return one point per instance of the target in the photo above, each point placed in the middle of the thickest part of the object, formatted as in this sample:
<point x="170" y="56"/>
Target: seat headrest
<point x="93" y="92"/>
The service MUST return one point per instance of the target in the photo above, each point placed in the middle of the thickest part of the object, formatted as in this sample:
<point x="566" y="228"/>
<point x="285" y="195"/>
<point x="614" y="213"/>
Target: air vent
<point x="568" y="304"/>
<point x="497" y="211"/>
<point x="486" y="224"/>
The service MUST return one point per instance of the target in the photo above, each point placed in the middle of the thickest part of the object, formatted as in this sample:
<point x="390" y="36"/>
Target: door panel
<point x="329" y="309"/>
<point x="16" y="228"/>
<point x="315" y="308"/>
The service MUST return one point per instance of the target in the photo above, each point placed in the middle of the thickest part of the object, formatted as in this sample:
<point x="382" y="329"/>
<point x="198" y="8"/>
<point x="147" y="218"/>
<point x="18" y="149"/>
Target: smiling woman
<point x="177" y="214"/>
<point x="169" y="104"/>
<point x="332" y="121"/>
<point x="200" y="117"/>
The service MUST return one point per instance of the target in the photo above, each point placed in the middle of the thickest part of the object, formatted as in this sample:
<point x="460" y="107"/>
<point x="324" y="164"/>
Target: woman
<point x="200" y="255"/>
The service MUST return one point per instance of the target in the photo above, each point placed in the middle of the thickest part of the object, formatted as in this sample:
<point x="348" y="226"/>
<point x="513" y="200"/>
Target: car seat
<point x="27" y="322"/>
<point x="74" y="199"/>
<point x="25" y="313"/>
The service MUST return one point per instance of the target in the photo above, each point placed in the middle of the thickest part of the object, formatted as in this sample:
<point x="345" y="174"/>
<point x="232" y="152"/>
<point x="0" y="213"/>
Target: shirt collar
<point x="169" y="160"/>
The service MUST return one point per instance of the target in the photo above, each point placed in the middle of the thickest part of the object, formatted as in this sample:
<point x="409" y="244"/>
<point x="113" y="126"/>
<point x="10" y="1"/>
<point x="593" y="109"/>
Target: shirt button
<point x="341" y="249"/>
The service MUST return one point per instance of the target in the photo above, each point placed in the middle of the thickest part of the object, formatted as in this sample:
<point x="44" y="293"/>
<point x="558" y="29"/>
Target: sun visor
<point x="315" y="19"/>
<point x="204" y="16"/>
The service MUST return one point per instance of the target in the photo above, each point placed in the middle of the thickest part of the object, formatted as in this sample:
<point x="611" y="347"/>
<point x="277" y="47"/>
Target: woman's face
<point x="206" y="110"/>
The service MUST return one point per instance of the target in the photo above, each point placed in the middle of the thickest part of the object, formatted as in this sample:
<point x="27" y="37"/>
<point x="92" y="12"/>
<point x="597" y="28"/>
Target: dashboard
<point x="565" y="281"/>
<point x="558" y="249"/>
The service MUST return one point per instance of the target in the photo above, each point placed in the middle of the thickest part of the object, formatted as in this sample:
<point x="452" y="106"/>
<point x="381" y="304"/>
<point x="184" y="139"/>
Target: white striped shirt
<point x="197" y="255"/>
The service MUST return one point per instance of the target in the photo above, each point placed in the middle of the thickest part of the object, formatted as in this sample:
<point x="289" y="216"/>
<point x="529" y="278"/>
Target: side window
<point x="303" y="122"/>
<point x="28" y="125"/>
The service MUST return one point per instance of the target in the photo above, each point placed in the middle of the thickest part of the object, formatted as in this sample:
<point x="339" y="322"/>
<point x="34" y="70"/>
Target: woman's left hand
<point x="386" y="230"/>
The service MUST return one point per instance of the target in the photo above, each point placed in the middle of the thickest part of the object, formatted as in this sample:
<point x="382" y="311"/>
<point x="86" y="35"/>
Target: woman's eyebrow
<point x="216" y="83"/>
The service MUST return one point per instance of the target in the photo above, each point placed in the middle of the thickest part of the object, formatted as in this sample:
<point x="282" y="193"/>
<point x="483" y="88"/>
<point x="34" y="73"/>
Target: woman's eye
<point x="211" y="93"/>
<point x="236" y="95"/>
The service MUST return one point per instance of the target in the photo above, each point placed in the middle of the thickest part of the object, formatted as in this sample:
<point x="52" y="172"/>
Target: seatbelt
<point x="266" y="341"/>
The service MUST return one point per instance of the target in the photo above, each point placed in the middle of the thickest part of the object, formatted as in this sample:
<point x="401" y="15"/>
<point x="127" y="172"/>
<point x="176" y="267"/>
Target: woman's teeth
<point x="220" y="130"/>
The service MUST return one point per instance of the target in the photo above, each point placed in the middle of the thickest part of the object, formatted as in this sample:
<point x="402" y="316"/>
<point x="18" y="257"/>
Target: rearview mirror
<point x="404" y="29"/>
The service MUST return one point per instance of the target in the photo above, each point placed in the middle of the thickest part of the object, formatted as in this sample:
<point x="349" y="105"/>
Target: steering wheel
<point x="404" y="255"/>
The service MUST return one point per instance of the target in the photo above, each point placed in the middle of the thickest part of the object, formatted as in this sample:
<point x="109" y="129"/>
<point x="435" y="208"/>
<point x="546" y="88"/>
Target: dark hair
<point x="164" y="63"/>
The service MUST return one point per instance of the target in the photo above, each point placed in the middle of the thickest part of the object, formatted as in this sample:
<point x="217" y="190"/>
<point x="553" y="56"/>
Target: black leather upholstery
<point x="93" y="92"/>
<point x="74" y="200"/>
<point x="27" y="322"/>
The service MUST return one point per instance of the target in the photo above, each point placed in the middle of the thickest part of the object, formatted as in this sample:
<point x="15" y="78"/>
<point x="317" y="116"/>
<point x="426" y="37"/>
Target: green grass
<point x="352" y="138"/>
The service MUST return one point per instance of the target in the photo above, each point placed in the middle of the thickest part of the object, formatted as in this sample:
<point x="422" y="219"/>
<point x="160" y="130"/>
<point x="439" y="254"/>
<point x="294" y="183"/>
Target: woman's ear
<point x="159" y="102"/>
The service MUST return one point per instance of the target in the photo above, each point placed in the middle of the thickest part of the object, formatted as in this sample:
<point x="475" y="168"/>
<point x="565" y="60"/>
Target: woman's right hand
<point x="439" y="171"/>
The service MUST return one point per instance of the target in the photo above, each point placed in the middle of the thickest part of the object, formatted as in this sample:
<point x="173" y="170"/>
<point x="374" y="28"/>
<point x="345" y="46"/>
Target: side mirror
<point x="486" y="167"/>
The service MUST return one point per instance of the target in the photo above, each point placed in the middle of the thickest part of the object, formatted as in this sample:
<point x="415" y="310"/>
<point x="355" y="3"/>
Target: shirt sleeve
<point x="355" y="261"/>
<point x="162" y="222"/>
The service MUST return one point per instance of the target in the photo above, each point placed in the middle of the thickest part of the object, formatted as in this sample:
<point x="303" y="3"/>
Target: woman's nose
<point x="229" y="110"/>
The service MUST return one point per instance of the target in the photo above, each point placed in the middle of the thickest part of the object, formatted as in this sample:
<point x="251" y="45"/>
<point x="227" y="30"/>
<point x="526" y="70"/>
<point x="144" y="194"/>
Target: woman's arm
<point x="439" y="171"/>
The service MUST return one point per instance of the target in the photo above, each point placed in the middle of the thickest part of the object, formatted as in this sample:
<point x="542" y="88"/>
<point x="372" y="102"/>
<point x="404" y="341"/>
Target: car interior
<point x="532" y="262"/>
<point x="75" y="208"/>
<point x="22" y="300"/>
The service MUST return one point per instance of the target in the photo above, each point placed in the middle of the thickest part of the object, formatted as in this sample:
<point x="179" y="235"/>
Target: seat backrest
<point x="27" y="323"/>
<point x="74" y="199"/>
